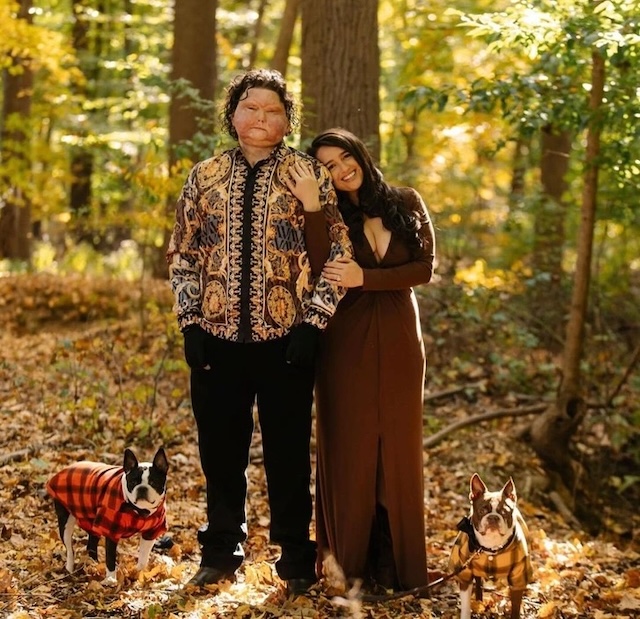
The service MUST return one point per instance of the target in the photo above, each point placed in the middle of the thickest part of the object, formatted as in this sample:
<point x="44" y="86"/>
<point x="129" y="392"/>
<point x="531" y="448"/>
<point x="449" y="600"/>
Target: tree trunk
<point x="285" y="36"/>
<point x="341" y="68"/>
<point x="552" y="432"/>
<point x="517" y="193"/>
<point x="257" y="33"/>
<point x="15" y="214"/>
<point x="81" y="166"/>
<point x="194" y="60"/>
<point x="410" y="134"/>
<point x="547" y="294"/>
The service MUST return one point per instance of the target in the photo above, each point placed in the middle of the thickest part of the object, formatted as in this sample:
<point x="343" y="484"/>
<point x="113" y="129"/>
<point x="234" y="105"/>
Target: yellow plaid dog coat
<point x="511" y="563"/>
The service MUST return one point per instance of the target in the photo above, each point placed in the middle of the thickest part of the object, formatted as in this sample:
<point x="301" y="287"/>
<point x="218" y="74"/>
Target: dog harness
<point x="92" y="493"/>
<point x="511" y="563"/>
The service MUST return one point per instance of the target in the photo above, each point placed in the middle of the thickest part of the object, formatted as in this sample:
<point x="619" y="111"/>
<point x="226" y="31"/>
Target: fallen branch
<point x="562" y="509"/>
<point x="449" y="392"/>
<point x="635" y="358"/>
<point x="434" y="439"/>
<point x="16" y="455"/>
<point x="27" y="451"/>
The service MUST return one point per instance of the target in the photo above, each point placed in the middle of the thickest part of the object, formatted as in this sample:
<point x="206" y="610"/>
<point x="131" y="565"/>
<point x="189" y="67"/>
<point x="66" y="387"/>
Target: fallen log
<point x="434" y="439"/>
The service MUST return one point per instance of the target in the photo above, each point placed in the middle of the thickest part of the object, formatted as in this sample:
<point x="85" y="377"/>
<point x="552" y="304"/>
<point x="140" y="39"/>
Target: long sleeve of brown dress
<point x="369" y="399"/>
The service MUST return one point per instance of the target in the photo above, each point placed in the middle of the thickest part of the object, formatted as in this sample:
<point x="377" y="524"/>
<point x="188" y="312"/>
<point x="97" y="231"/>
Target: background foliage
<point x="470" y="92"/>
<point x="484" y="108"/>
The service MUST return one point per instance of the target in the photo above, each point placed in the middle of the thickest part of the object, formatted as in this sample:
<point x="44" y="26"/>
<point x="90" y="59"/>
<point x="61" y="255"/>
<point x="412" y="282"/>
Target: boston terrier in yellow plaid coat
<point x="491" y="544"/>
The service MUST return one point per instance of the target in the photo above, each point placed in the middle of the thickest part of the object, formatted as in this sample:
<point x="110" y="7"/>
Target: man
<point x="245" y="262"/>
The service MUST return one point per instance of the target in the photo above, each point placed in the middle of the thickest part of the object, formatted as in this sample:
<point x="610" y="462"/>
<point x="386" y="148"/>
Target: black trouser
<point x="222" y="400"/>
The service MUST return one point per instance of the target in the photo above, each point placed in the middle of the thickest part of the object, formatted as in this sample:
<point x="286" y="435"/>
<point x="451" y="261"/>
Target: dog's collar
<point x="142" y="512"/>
<point x="465" y="526"/>
<point x="130" y="507"/>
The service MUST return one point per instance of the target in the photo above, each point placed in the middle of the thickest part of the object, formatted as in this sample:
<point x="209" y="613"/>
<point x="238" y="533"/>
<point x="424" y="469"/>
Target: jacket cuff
<point x="316" y="318"/>
<point x="188" y="319"/>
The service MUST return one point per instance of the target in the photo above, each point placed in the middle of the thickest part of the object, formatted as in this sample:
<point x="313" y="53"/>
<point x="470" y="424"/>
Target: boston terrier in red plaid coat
<point x="112" y="502"/>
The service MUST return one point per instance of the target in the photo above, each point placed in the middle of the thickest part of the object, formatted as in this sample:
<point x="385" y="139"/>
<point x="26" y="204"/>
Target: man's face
<point x="260" y="119"/>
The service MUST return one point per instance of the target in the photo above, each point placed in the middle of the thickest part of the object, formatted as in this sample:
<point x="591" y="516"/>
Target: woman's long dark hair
<point x="376" y="197"/>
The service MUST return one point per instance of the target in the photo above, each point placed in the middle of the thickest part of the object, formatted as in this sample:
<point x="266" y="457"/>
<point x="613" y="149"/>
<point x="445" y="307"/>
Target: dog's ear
<point x="160" y="461"/>
<point x="509" y="490"/>
<point x="130" y="461"/>
<point x="477" y="487"/>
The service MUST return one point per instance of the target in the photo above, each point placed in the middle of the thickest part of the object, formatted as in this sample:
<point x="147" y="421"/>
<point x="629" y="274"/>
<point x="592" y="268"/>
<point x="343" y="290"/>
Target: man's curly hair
<point x="258" y="78"/>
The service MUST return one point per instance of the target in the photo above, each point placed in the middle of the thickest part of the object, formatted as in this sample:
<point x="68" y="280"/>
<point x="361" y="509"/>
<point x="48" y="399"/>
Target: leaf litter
<point x="86" y="389"/>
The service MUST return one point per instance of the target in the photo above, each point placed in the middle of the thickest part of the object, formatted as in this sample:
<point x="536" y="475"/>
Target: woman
<point x="370" y="377"/>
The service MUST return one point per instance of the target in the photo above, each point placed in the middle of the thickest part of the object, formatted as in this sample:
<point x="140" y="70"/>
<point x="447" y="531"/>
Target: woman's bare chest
<point x="377" y="236"/>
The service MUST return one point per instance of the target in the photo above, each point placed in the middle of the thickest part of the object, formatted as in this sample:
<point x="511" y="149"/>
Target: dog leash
<point x="416" y="591"/>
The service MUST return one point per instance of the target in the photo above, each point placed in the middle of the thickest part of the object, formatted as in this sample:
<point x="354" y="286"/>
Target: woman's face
<point x="345" y="170"/>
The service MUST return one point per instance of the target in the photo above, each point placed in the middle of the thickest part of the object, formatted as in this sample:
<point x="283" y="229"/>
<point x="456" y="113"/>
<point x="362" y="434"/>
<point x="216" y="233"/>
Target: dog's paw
<point x="110" y="580"/>
<point x="335" y="580"/>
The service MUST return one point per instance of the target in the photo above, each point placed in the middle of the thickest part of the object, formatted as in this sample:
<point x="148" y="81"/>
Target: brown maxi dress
<point x="369" y="398"/>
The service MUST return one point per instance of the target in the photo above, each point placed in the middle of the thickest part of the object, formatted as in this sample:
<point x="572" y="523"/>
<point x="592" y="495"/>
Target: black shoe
<point x="299" y="586"/>
<point x="210" y="576"/>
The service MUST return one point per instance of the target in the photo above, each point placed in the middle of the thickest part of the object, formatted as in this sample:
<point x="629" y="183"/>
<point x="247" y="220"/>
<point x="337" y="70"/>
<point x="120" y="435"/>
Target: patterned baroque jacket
<point x="227" y="207"/>
<point x="92" y="492"/>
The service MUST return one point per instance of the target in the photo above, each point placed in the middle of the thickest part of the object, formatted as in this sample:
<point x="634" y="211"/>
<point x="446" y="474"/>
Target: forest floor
<point x="74" y="390"/>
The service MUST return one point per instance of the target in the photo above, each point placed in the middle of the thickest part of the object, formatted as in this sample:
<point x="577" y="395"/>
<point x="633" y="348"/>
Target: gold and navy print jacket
<point x="242" y="249"/>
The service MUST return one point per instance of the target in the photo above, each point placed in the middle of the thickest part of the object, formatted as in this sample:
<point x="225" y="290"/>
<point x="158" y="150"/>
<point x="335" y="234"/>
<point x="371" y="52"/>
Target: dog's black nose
<point x="142" y="494"/>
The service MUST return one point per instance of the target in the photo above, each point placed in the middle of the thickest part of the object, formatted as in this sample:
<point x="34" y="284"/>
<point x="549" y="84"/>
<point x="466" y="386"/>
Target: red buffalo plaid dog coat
<point x="93" y="494"/>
